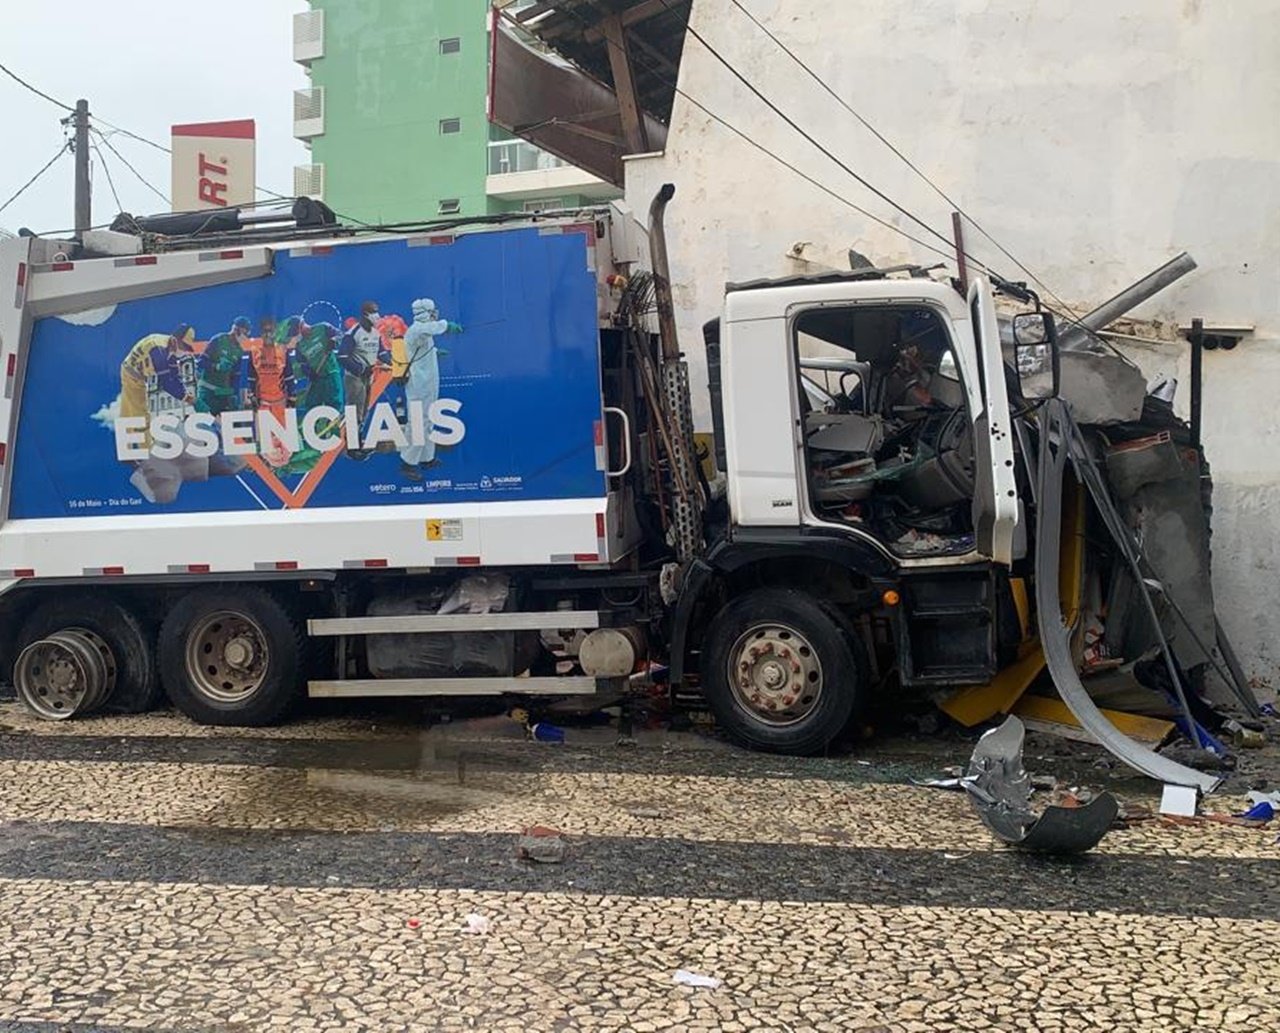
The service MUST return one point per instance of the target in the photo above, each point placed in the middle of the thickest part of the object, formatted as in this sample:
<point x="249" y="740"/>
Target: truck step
<point x="547" y="620"/>
<point x="370" y="688"/>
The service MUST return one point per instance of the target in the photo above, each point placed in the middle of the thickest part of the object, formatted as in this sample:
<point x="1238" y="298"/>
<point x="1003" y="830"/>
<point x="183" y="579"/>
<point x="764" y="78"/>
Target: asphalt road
<point x="159" y="875"/>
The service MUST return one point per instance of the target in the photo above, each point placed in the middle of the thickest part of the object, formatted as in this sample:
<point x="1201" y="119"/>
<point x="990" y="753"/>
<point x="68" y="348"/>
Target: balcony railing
<point x="507" y="156"/>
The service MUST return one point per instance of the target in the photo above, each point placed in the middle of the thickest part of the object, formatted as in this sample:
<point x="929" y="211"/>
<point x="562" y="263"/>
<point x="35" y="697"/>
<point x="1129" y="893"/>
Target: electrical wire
<point x="905" y="160"/>
<point x="39" y="93"/>
<point x="808" y="136"/>
<point x="110" y="182"/>
<point x="122" y="131"/>
<point x="48" y="165"/>
<point x="667" y="81"/>
<point x="141" y="178"/>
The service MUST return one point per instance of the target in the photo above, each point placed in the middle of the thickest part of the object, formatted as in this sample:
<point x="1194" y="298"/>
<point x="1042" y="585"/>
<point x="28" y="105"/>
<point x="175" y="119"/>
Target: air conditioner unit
<point x="308" y="36"/>
<point x="308" y="112"/>
<point x="308" y="181"/>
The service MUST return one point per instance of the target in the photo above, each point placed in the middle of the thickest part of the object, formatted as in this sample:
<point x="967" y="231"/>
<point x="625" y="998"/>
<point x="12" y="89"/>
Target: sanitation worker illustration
<point x="155" y="376"/>
<point x="318" y="350"/>
<point x="271" y="385"/>
<point x="421" y="378"/>
<point x="221" y="370"/>
<point x="361" y="353"/>
<point x="159" y="376"/>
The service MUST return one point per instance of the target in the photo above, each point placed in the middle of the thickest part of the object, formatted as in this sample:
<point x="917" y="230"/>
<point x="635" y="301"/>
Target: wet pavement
<point x="158" y="875"/>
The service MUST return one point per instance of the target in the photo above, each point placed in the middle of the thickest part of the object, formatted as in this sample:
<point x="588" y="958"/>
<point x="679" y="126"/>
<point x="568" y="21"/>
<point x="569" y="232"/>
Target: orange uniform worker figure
<point x="271" y="371"/>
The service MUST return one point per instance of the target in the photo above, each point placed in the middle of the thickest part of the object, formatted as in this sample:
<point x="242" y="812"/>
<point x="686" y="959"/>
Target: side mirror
<point x="1035" y="344"/>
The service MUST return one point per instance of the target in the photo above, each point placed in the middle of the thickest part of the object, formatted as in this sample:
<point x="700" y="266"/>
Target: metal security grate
<point x="308" y="36"/>
<point x="308" y="181"/>
<point x="308" y="112"/>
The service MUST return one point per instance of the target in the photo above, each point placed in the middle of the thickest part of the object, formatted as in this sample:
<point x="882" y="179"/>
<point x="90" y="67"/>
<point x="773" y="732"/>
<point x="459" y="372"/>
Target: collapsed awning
<point x="588" y="80"/>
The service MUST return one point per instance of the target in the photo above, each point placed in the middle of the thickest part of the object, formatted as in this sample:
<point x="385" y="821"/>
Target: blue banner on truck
<point x="368" y="374"/>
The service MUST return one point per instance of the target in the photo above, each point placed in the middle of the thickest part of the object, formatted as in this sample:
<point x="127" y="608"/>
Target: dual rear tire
<point x="232" y="657"/>
<point x="225" y="656"/>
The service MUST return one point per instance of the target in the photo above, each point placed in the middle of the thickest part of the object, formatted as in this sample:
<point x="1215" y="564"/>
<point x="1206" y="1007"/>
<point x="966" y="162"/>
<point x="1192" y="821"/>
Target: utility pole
<point x="84" y="215"/>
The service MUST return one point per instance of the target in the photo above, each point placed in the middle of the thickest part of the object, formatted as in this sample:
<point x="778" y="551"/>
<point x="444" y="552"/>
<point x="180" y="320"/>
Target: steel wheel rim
<point x="57" y="676"/>
<point x="111" y="672"/>
<point x="227" y="656"/>
<point x="775" y="674"/>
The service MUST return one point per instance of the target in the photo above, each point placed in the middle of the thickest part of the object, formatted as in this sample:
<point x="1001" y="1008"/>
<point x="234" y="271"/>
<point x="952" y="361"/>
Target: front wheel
<point x="782" y="671"/>
<point x="231" y="657"/>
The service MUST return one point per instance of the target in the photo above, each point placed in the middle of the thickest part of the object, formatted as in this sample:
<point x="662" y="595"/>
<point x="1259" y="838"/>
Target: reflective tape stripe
<point x="457" y="561"/>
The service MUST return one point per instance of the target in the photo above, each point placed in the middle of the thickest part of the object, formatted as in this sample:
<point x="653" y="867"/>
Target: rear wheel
<point x="126" y="643"/>
<point x="231" y="657"/>
<point x="782" y="671"/>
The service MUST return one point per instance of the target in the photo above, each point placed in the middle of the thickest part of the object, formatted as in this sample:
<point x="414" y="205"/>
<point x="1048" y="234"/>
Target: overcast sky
<point x="143" y="65"/>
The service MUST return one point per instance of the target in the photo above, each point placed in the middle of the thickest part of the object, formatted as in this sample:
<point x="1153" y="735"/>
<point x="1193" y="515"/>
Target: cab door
<point x="995" y="497"/>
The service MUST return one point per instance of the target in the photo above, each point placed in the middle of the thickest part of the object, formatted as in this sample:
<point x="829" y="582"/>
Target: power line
<point x="143" y="179"/>
<point x="110" y="182"/>
<point x="905" y="160"/>
<point x="808" y="136"/>
<point x="666" y="80"/>
<point x="39" y="93"/>
<point x="49" y="164"/>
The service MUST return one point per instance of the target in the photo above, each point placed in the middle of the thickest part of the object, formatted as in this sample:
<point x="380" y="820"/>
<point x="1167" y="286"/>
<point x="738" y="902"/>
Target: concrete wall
<point x="1094" y="140"/>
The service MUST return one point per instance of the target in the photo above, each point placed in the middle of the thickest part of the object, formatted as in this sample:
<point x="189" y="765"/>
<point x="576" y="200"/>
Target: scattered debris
<point x="1045" y="782"/>
<point x="1180" y="801"/>
<point x="1243" y="735"/>
<point x="1000" y="791"/>
<point x="686" y="978"/>
<point x="476" y="925"/>
<point x="543" y="732"/>
<point x="413" y="923"/>
<point x="1256" y="798"/>
<point x="542" y="845"/>
<point x="646" y="812"/>
<point x="1133" y="814"/>
<point x="939" y="783"/>
<point x="1262" y="811"/>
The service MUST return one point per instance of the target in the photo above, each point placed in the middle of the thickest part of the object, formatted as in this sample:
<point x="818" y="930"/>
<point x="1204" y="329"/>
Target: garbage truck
<point x="243" y="467"/>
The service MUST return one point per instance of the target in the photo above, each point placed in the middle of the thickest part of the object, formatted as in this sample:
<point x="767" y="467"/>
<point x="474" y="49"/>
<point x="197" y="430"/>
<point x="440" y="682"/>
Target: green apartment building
<point x="395" y="117"/>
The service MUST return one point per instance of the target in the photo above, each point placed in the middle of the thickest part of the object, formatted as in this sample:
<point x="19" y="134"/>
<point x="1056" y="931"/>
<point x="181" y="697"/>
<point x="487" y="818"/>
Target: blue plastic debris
<point x="544" y="732"/>
<point x="1261" y="811"/>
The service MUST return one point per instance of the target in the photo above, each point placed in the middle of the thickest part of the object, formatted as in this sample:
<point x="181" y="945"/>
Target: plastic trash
<point x="543" y="732"/>
<point x="686" y="978"/>
<point x="413" y="923"/>
<point x="1260" y="811"/>
<point x="476" y="925"/>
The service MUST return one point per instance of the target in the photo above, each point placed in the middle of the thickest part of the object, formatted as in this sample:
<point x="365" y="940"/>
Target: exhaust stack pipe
<point x="686" y="505"/>
<point x="1077" y="335"/>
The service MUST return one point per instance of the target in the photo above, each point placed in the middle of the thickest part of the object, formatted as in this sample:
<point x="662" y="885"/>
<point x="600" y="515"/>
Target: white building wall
<point x="1094" y="140"/>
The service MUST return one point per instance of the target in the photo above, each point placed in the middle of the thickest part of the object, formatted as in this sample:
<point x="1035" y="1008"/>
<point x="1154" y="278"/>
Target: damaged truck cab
<point x="874" y="498"/>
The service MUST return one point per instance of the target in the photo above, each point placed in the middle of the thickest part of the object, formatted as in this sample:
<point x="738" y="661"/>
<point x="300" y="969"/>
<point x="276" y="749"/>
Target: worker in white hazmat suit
<point x="422" y="379"/>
